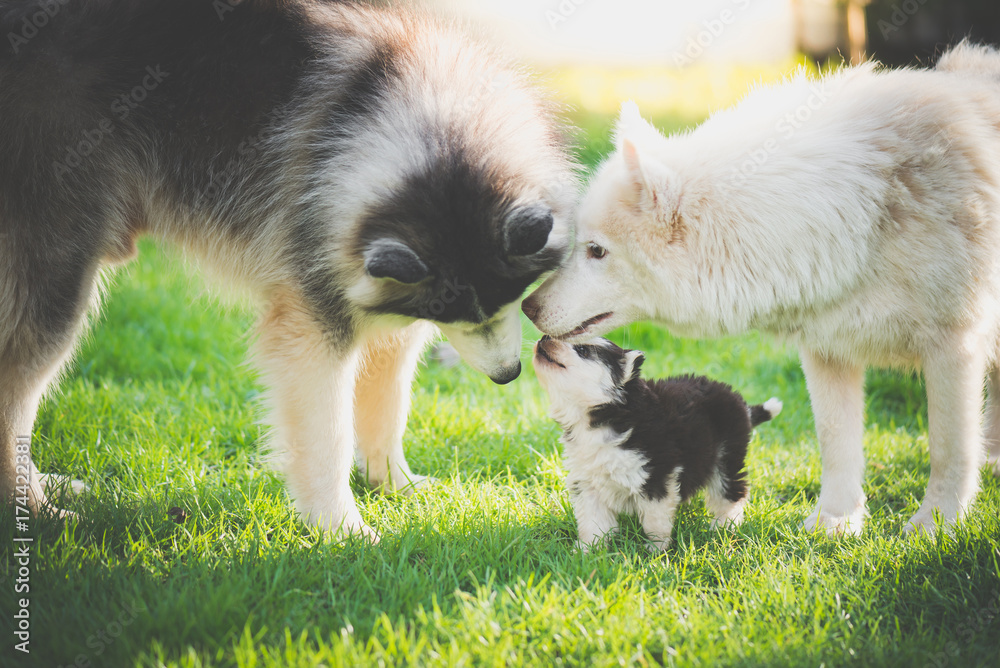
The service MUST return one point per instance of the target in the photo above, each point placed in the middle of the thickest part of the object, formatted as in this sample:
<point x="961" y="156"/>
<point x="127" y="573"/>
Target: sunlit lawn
<point x="159" y="412"/>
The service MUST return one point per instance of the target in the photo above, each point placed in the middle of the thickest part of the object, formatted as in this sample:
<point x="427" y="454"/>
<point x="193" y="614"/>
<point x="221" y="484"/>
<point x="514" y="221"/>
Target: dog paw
<point x="658" y="546"/>
<point x="356" y="529"/>
<point x="721" y="523"/>
<point x="409" y="486"/>
<point x="729" y="518"/>
<point x="60" y="484"/>
<point x="836" y="525"/>
<point x="928" y="520"/>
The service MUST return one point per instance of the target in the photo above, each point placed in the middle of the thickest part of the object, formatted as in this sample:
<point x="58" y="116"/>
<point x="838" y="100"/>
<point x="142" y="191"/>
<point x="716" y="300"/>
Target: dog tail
<point x="970" y="58"/>
<point x="766" y="412"/>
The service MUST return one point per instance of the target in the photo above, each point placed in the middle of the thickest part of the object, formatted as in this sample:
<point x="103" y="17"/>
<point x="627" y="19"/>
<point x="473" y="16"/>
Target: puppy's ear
<point x="527" y="230"/>
<point x="632" y="365"/>
<point x="389" y="258"/>
<point x="655" y="189"/>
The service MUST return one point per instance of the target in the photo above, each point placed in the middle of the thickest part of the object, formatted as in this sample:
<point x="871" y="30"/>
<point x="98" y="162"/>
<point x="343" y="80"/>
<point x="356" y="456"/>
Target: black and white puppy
<point x="638" y="446"/>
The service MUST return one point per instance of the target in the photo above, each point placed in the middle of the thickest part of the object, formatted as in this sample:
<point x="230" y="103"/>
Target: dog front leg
<point x="594" y="519"/>
<point x="954" y="373"/>
<point x="382" y="404"/>
<point x="311" y="399"/>
<point x="837" y="394"/>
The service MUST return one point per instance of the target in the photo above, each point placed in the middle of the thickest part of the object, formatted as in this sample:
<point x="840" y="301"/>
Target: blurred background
<point x="680" y="59"/>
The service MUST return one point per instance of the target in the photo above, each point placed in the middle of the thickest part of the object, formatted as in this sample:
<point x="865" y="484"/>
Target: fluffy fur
<point x="856" y="216"/>
<point x="632" y="445"/>
<point x="359" y="172"/>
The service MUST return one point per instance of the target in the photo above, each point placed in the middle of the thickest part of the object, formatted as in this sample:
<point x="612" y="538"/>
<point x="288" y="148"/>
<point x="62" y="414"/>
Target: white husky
<point x="856" y="216"/>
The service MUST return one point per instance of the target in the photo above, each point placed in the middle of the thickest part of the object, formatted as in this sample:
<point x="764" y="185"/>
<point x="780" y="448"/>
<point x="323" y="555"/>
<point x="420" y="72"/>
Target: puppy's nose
<point x="531" y="308"/>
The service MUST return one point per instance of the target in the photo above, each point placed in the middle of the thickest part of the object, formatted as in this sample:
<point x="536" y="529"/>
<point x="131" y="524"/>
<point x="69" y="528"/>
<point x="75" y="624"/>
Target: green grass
<point x="159" y="412"/>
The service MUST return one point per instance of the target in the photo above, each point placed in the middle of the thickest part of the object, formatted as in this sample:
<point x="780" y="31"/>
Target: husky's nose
<point x="508" y="375"/>
<point x="531" y="308"/>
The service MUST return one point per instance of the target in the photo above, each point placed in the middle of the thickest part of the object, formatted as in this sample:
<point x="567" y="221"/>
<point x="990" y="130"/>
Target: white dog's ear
<point x="632" y="126"/>
<point x="655" y="188"/>
<point x="632" y="365"/>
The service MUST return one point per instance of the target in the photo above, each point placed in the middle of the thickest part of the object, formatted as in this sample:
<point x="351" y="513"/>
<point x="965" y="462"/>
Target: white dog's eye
<point x="595" y="252"/>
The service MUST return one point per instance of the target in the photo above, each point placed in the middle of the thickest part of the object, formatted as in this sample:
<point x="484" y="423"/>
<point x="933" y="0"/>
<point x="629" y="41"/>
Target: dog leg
<point x="19" y="478"/>
<point x="382" y="403"/>
<point x="726" y="509"/>
<point x="39" y="326"/>
<point x="993" y="420"/>
<point x="594" y="519"/>
<point x="954" y="374"/>
<point x="657" y="516"/>
<point x="311" y="400"/>
<point x="837" y="394"/>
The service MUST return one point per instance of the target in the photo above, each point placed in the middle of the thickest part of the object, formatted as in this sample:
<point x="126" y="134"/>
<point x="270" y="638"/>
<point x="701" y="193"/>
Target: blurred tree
<point x="903" y="32"/>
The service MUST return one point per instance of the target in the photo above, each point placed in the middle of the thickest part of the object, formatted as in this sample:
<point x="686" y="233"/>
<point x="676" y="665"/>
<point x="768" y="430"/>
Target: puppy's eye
<point x="596" y="252"/>
<point x="582" y="352"/>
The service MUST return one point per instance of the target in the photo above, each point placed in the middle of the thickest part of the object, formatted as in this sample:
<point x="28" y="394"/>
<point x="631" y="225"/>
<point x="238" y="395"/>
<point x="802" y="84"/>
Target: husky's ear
<point x="654" y="186"/>
<point x="632" y="365"/>
<point x="527" y="230"/>
<point x="389" y="258"/>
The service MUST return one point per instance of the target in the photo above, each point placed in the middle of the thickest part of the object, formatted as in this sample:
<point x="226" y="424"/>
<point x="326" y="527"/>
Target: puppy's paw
<point x="835" y="525"/>
<point x="729" y="517"/>
<point x="720" y="523"/>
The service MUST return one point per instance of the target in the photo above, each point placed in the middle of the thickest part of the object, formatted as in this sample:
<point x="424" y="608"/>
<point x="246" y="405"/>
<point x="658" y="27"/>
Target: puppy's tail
<point x="766" y="412"/>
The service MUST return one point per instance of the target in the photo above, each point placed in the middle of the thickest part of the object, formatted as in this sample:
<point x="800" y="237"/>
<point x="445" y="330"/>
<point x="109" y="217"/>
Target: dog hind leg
<point x="837" y="394"/>
<point x="726" y="492"/>
<point x="954" y="373"/>
<point x="382" y="403"/>
<point x="311" y="399"/>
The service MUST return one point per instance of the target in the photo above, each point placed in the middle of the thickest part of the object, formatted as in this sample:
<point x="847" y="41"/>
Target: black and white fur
<point x="358" y="172"/>
<point x="638" y="446"/>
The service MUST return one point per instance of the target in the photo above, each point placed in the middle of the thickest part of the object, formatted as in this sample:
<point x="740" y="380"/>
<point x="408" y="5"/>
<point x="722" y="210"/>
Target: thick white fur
<point x="855" y="216"/>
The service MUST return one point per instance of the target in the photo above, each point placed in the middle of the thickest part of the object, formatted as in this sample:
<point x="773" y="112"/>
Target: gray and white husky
<point x="361" y="172"/>
<point x="857" y="216"/>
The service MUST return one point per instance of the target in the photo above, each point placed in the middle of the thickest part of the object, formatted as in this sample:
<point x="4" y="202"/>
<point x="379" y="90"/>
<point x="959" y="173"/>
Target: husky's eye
<point x="596" y="252"/>
<point x="582" y="352"/>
